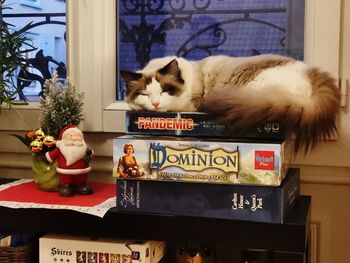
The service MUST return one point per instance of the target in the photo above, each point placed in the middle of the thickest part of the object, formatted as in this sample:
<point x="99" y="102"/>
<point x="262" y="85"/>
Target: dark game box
<point x="193" y="124"/>
<point x="238" y="202"/>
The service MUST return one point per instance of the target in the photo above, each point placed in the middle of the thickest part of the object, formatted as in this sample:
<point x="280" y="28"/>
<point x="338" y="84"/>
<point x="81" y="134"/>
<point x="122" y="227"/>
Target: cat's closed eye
<point x="141" y="93"/>
<point x="170" y="89"/>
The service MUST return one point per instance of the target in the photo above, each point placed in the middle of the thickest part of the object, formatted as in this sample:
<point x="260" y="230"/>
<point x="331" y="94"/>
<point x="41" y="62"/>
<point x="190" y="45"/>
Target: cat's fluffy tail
<point x="309" y="118"/>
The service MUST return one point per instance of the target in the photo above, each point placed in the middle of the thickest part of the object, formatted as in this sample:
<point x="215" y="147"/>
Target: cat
<point x="244" y="91"/>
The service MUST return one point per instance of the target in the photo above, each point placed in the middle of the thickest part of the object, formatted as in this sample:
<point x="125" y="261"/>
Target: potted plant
<point x="13" y="46"/>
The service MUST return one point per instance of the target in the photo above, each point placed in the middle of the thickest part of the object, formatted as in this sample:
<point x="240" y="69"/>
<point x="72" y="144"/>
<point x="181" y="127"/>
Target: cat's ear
<point x="172" y="68"/>
<point x="129" y="76"/>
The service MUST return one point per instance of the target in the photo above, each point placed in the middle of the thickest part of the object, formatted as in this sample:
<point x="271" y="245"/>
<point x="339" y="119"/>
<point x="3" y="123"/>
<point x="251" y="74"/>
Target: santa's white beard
<point x="72" y="152"/>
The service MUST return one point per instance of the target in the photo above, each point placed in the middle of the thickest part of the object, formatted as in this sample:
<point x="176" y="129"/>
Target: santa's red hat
<point x="70" y="128"/>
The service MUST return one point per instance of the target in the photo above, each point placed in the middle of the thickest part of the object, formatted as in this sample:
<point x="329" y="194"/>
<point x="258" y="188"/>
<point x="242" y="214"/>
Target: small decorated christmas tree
<point x="61" y="105"/>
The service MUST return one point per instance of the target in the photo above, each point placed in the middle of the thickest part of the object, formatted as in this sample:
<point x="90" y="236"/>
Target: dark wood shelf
<point x="291" y="236"/>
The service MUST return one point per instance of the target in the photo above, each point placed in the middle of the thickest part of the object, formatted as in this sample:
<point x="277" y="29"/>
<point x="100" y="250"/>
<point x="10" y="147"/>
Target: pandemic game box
<point x="194" y="124"/>
<point x="226" y="201"/>
<point x="201" y="160"/>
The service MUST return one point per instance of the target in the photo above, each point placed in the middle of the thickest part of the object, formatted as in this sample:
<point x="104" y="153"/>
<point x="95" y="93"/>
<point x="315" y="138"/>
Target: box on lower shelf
<point x="65" y="248"/>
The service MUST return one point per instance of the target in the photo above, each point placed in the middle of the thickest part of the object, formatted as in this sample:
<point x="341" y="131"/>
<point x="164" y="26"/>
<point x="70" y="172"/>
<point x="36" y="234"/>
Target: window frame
<point x="99" y="17"/>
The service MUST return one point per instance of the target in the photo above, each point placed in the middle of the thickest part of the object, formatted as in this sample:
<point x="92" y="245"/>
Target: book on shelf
<point x="194" y="124"/>
<point x="225" y="201"/>
<point x="231" y="161"/>
<point x="14" y="239"/>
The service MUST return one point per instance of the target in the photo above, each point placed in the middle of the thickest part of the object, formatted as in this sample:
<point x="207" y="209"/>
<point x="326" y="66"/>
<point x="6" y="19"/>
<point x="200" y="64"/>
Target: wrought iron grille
<point x="40" y="62"/>
<point x="198" y="28"/>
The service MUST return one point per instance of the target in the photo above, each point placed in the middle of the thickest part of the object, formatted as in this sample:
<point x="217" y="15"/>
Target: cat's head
<point x="160" y="89"/>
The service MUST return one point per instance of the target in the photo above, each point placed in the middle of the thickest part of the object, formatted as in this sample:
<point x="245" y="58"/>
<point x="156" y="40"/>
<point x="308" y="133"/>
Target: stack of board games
<point x="187" y="164"/>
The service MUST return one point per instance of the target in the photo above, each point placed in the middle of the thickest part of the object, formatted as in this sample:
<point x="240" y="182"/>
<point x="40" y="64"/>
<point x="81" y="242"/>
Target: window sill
<point x="118" y="106"/>
<point x="114" y="117"/>
<point x="20" y="117"/>
<point x="22" y="105"/>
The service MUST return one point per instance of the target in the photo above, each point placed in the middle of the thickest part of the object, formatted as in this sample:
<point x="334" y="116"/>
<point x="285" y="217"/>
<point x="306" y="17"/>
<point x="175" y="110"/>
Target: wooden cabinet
<point x="289" y="240"/>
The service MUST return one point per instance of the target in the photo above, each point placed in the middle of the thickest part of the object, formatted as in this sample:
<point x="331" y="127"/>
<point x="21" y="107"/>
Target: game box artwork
<point x="193" y="124"/>
<point x="196" y="160"/>
<point x="78" y="249"/>
<point x="238" y="202"/>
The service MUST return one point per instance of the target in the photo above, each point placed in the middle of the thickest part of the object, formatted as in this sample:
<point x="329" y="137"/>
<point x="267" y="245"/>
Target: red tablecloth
<point x="25" y="194"/>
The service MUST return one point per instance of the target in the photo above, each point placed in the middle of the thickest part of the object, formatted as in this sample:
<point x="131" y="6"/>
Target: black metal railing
<point x="177" y="13"/>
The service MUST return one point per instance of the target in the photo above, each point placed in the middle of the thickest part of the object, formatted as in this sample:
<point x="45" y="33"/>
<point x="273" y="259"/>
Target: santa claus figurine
<point x="73" y="156"/>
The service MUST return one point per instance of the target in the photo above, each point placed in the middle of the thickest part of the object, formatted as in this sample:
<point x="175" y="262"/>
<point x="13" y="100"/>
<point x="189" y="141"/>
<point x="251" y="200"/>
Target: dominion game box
<point x="238" y="202"/>
<point x="193" y="124"/>
<point x="199" y="160"/>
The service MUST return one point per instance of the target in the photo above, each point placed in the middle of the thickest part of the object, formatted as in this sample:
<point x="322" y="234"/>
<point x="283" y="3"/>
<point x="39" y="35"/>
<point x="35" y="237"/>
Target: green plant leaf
<point x="24" y="139"/>
<point x="13" y="46"/>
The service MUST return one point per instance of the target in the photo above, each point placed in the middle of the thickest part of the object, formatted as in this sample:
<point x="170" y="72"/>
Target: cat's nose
<point x="155" y="104"/>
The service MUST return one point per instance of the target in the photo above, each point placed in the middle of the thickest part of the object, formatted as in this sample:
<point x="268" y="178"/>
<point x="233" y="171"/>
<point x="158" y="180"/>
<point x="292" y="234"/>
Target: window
<point x="196" y="29"/>
<point x="47" y="35"/>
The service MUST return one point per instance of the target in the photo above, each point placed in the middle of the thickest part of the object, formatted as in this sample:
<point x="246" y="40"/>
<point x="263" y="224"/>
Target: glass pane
<point x="195" y="29"/>
<point x="47" y="34"/>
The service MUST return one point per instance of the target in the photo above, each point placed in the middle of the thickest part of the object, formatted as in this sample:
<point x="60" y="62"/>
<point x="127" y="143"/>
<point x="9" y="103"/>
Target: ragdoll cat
<point x="245" y="91"/>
